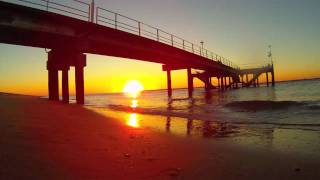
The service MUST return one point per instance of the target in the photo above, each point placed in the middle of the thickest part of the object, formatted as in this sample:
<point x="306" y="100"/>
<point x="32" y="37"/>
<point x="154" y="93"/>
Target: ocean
<point x="289" y="105"/>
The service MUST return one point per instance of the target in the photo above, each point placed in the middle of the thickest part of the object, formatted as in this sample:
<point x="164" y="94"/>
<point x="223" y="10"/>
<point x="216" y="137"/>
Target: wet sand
<point x="50" y="140"/>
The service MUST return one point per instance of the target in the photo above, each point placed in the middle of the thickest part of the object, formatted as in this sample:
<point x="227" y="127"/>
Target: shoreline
<point x="42" y="139"/>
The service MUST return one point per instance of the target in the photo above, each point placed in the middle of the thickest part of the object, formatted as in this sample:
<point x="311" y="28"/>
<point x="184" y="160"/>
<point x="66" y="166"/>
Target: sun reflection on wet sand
<point x="133" y="120"/>
<point x="134" y="103"/>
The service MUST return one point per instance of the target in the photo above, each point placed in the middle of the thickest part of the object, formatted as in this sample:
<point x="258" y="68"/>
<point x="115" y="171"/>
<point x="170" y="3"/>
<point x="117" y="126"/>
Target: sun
<point x="133" y="88"/>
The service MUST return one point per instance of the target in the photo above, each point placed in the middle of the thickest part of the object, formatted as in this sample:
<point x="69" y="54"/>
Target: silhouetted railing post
<point x="139" y="26"/>
<point x="47" y="5"/>
<point x="158" y="34"/>
<point x="91" y="12"/>
<point x="115" y="20"/>
<point x="97" y="12"/>
<point x="171" y="39"/>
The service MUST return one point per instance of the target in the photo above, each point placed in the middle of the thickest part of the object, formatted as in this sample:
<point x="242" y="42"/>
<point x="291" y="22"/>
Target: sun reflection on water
<point x="132" y="89"/>
<point x="133" y="120"/>
<point x="134" y="103"/>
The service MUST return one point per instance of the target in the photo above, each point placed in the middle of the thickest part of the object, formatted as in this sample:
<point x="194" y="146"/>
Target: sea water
<point x="292" y="104"/>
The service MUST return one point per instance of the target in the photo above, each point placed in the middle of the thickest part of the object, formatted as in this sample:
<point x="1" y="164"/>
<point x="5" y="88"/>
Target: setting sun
<point x="133" y="88"/>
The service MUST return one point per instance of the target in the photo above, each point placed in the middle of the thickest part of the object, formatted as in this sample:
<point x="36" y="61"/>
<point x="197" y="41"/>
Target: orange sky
<point x="103" y="74"/>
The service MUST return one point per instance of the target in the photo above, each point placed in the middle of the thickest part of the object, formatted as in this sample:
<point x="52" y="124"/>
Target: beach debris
<point x="126" y="155"/>
<point x="218" y="129"/>
<point x="174" y="172"/>
<point x="254" y="106"/>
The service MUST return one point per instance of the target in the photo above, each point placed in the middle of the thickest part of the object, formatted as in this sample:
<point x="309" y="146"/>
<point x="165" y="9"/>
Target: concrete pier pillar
<point x="247" y="80"/>
<point x="169" y="83"/>
<point x="190" y="82"/>
<point x="207" y="83"/>
<point x="53" y="77"/>
<point x="230" y="82"/>
<point x="79" y="64"/>
<point x="65" y="85"/>
<point x="258" y="84"/>
<point x="272" y="76"/>
<point x="267" y="78"/>
<point x="241" y="81"/>
<point x="221" y="84"/>
<point x="62" y="59"/>
<point x="79" y="84"/>
<point x="53" y="83"/>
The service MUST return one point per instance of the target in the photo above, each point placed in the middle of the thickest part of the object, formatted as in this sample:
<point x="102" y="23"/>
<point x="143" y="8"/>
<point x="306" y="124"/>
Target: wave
<point x="159" y="111"/>
<point x="215" y="117"/>
<point x="270" y="105"/>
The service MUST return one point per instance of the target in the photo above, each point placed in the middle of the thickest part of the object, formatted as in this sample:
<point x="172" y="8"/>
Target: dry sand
<point x="50" y="140"/>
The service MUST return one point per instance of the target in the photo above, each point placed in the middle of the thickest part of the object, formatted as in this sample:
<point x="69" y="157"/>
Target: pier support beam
<point x="190" y="82"/>
<point x="207" y="83"/>
<point x="272" y="76"/>
<point x="267" y="78"/>
<point x="79" y="84"/>
<point x="247" y="79"/>
<point x="65" y="85"/>
<point x="169" y="83"/>
<point x="242" y="83"/>
<point x="62" y="60"/>
<point x="53" y="83"/>
<point x="221" y="84"/>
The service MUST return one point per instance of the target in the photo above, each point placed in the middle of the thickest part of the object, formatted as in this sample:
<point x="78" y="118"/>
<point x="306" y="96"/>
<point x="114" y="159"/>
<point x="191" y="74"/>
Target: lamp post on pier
<point x="201" y="51"/>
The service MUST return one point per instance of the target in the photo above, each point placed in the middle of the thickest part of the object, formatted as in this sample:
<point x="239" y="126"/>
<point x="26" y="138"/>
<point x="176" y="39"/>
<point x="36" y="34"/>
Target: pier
<point x="70" y="33"/>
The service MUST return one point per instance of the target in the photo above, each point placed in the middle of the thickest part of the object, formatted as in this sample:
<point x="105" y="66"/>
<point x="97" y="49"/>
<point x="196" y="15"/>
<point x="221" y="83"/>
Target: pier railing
<point x="256" y="65"/>
<point x="84" y="11"/>
<point x="120" y="22"/>
<point x="73" y="8"/>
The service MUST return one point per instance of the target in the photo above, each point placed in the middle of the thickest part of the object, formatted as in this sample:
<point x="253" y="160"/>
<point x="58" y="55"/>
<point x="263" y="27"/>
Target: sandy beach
<point x="40" y="139"/>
